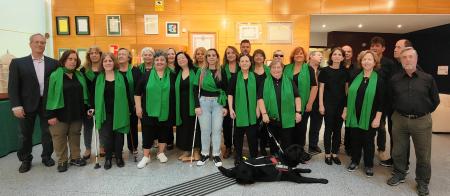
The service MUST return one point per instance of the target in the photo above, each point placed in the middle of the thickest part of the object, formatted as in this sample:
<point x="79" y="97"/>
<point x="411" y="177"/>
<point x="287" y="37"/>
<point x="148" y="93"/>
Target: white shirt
<point x="39" y="67"/>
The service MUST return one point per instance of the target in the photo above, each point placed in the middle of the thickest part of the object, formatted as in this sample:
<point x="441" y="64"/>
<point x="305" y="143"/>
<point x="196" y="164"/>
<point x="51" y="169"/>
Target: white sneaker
<point x="202" y="160"/>
<point x="217" y="161"/>
<point x="144" y="161"/>
<point x="161" y="157"/>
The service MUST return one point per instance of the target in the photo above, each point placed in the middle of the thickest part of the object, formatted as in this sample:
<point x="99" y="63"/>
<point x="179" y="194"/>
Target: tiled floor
<point x="132" y="181"/>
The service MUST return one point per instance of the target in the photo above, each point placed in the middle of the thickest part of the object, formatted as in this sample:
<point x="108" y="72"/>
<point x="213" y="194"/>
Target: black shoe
<point x="336" y="160"/>
<point x="169" y="146"/>
<point x="217" y="161"/>
<point x="352" y="167"/>
<point x="78" y="162"/>
<point x="48" y="162"/>
<point x="328" y="161"/>
<point x="369" y="172"/>
<point x="387" y="163"/>
<point x="87" y="157"/>
<point x="422" y="190"/>
<point x="313" y="150"/>
<point x="62" y="167"/>
<point x="25" y="166"/>
<point x="120" y="162"/>
<point x="202" y="160"/>
<point x="395" y="180"/>
<point x="108" y="164"/>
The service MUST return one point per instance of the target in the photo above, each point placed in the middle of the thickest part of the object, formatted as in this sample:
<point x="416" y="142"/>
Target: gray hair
<point x="278" y="51"/>
<point x="313" y="53"/>
<point x="34" y="35"/>
<point x="147" y="49"/>
<point x="159" y="53"/>
<point x="408" y="49"/>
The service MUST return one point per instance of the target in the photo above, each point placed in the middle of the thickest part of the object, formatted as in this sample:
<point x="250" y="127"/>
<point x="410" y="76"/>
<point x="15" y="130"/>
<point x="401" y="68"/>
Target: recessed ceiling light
<point x="324" y="25"/>
<point x="399" y="26"/>
<point x="360" y="26"/>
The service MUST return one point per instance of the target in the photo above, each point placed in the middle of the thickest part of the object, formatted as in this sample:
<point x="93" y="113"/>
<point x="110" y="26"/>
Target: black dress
<point x="185" y="131"/>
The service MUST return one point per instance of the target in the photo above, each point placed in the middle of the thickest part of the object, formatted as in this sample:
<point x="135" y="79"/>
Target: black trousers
<point x="227" y="131"/>
<point x="263" y="138"/>
<point x="333" y="125"/>
<point x="283" y="136"/>
<point x="299" y="133"/>
<point x="26" y="135"/>
<point x="363" y="141"/>
<point x="315" y="124"/>
<point x="347" y="139"/>
<point x="152" y="129"/>
<point x="252" y="139"/>
<point x="132" y="137"/>
<point x="113" y="140"/>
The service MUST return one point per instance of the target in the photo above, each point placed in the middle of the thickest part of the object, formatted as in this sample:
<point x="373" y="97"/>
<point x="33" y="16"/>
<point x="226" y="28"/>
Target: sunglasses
<point x="278" y="55"/>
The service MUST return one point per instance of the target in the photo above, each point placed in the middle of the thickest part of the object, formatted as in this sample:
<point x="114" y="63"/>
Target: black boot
<point x="120" y="162"/>
<point x="108" y="163"/>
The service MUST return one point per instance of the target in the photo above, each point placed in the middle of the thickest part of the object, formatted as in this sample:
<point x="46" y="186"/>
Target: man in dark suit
<point x="28" y="82"/>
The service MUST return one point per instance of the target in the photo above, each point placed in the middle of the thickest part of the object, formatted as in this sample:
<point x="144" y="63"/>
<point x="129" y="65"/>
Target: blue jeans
<point x="210" y="124"/>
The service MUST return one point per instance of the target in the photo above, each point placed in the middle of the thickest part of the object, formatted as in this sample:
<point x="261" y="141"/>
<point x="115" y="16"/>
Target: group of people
<point x="239" y="96"/>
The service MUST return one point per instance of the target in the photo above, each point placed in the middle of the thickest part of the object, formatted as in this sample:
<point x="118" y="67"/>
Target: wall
<point x="318" y="39"/>
<point x="431" y="57"/>
<point x="216" y="16"/>
<point x="18" y="25"/>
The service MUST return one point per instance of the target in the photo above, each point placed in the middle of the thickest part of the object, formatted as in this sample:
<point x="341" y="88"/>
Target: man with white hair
<point x="414" y="96"/>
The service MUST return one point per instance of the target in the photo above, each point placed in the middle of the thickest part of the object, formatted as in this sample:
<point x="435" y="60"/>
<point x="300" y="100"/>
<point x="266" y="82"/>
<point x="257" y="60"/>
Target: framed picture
<point x="82" y="52"/>
<point x="279" y="32"/>
<point x="151" y="24"/>
<point x="82" y="25"/>
<point x="61" y="51"/>
<point x="113" y="25"/>
<point x="62" y="25"/>
<point x="172" y="29"/>
<point x="250" y="31"/>
<point x="206" y="40"/>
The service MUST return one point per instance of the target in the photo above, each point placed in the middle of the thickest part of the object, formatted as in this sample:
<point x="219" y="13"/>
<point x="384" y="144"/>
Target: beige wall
<point x="209" y="16"/>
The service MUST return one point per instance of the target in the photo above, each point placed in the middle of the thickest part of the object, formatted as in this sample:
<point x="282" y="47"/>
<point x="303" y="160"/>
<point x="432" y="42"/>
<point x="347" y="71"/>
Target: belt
<point x="412" y="116"/>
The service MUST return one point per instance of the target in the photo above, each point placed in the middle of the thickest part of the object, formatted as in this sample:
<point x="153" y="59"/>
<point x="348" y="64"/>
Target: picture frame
<point x="62" y="25"/>
<point x="279" y="32"/>
<point x="249" y="31"/>
<point x="202" y="39"/>
<point x="172" y="29"/>
<point x="82" y="52"/>
<point x="113" y="25"/>
<point x="61" y="51"/>
<point x="82" y="25"/>
<point x="151" y="25"/>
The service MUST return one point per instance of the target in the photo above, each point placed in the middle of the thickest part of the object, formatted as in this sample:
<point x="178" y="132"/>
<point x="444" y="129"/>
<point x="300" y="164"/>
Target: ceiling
<point x="376" y="23"/>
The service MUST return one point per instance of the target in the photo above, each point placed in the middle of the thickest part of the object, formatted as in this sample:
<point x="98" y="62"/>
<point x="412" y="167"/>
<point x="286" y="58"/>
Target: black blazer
<point x="23" y="85"/>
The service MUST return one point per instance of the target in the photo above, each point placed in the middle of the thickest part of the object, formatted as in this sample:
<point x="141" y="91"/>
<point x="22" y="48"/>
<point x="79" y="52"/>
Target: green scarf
<point x="209" y="84"/>
<point x="89" y="74"/>
<point x="364" y="119"/>
<point x="142" y="67"/>
<point x="228" y="72"/>
<point x="304" y="82"/>
<point x="287" y="101"/>
<point x="129" y="76"/>
<point x="245" y="114"/>
<point x="55" y="99"/>
<point x="157" y="95"/>
<point x="191" y="96"/>
<point x="121" y="119"/>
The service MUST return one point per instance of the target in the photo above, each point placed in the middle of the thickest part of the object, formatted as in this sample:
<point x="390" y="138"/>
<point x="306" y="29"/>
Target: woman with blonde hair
<point x="199" y="57"/>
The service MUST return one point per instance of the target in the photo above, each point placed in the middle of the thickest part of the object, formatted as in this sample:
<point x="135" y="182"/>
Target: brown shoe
<point x="227" y="153"/>
<point x="197" y="155"/>
<point x="185" y="154"/>
<point x="188" y="159"/>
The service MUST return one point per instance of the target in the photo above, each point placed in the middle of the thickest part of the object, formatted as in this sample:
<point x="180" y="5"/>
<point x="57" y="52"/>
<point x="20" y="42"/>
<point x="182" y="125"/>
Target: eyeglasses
<point x="278" y="55"/>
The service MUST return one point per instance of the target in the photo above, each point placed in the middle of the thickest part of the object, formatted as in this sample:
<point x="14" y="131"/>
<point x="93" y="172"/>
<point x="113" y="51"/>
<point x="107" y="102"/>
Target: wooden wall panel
<point x="249" y="7"/>
<point x="393" y="7"/>
<point x="114" y="7"/>
<point x="123" y="42"/>
<point x="203" y="7"/>
<point x="434" y="4"/>
<point x="345" y="7"/>
<point x="171" y="7"/>
<point x="78" y="7"/>
<point x="296" y="7"/>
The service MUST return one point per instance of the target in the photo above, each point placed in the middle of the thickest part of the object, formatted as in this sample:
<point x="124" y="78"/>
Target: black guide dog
<point x="272" y="168"/>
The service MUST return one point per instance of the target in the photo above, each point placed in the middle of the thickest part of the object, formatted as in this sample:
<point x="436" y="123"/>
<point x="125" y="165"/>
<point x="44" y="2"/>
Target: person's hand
<point x="376" y="123"/>
<point x="258" y="113"/>
<point x="308" y="107"/>
<point x="52" y="121"/>
<point x="224" y="112"/>
<point x="298" y="117"/>
<point x="232" y="114"/>
<point x="198" y="111"/>
<point x="344" y="115"/>
<point x="19" y="113"/>
<point x="265" y="118"/>
<point x="139" y="112"/>
<point x="322" y="110"/>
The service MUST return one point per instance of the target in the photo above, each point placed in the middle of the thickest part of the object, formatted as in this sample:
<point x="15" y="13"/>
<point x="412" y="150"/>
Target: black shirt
<point x="416" y="95"/>
<point x="352" y="71"/>
<point x="387" y="68"/>
<point x="334" y="89"/>
<point x="312" y="78"/>
<point x="109" y="95"/>
<point x="222" y="84"/>
<point x="73" y="101"/>
<point x="277" y="85"/>
<point x="259" y="79"/>
<point x="378" y="101"/>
